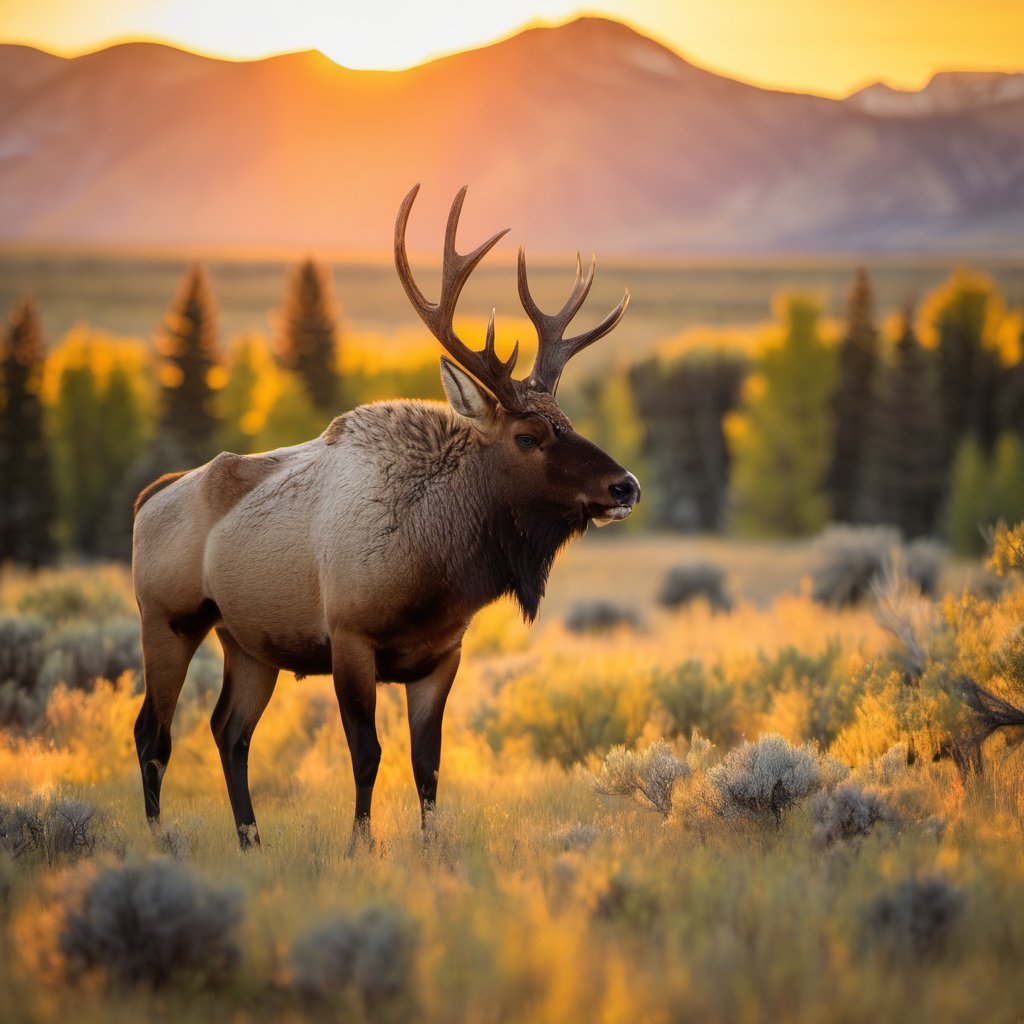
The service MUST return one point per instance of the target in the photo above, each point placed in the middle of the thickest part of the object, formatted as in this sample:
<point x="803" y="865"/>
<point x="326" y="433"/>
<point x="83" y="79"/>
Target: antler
<point x="494" y="373"/>
<point x="554" y="351"/>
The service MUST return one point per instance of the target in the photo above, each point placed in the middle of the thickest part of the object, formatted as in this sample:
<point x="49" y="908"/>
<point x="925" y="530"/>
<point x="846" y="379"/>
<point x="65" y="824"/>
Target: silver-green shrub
<point x="366" y="958"/>
<point x="762" y="780"/>
<point x="83" y="652"/>
<point x="853" y="559"/>
<point x="916" y="917"/>
<point x="575" y="837"/>
<point x="152" y="924"/>
<point x="599" y="616"/>
<point x="65" y="601"/>
<point x="692" y="581"/>
<point x="696" y="698"/>
<point x="22" y="696"/>
<point x="649" y="774"/>
<point x="21" y="828"/>
<point x="848" y="812"/>
<point x="61" y="827"/>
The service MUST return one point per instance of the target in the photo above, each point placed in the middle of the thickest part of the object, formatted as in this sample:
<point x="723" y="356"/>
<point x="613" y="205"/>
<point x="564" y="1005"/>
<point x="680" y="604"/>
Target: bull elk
<point x="365" y="552"/>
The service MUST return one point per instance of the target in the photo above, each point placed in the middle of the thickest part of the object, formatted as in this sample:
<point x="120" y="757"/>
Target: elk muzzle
<point x="624" y="493"/>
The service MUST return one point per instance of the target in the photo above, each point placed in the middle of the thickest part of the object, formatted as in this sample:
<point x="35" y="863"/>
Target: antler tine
<point x="494" y="373"/>
<point x="553" y="350"/>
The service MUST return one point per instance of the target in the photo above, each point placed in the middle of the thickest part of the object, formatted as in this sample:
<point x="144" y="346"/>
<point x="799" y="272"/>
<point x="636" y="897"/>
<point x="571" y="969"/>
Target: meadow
<point x="734" y="810"/>
<point x="128" y="295"/>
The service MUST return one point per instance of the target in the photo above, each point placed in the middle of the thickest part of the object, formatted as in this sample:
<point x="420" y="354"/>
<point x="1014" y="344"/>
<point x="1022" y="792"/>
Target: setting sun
<point x="791" y="44"/>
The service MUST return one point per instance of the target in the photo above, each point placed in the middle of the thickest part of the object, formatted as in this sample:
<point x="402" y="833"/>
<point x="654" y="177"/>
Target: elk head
<point x="537" y="458"/>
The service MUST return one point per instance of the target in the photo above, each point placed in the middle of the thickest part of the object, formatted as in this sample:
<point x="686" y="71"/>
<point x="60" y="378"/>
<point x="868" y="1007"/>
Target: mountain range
<point x="588" y="135"/>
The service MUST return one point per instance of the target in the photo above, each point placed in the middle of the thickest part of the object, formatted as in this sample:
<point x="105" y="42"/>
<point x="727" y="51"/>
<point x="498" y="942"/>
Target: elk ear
<point x="464" y="394"/>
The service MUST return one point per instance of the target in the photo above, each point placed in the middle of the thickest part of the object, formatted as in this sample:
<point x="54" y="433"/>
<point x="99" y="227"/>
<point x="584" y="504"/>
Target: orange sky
<point x="825" y="46"/>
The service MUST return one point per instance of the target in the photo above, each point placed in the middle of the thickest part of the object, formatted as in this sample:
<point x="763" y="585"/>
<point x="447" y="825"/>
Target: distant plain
<point x="127" y="295"/>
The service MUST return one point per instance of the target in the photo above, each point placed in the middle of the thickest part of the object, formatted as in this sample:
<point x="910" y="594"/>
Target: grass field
<point x="864" y="889"/>
<point x="129" y="295"/>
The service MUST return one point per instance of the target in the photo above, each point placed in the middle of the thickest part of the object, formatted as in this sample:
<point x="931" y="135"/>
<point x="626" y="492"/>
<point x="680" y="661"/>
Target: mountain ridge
<point x="586" y="135"/>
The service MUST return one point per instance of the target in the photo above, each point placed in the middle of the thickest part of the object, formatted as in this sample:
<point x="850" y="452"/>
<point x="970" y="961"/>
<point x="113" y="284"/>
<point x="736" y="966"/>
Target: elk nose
<point x="625" y="491"/>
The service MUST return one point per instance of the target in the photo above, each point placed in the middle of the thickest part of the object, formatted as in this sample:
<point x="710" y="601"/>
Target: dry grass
<point x="537" y="898"/>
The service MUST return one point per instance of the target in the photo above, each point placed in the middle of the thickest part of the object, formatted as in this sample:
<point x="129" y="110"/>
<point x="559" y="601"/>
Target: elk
<point x="365" y="552"/>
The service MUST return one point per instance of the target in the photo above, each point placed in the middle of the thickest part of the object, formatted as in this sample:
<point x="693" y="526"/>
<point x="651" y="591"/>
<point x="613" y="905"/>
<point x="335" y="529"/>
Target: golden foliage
<point x="630" y="918"/>
<point x="84" y="347"/>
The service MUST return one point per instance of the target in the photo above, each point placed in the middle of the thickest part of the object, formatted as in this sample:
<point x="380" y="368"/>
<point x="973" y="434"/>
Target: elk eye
<point x="526" y="440"/>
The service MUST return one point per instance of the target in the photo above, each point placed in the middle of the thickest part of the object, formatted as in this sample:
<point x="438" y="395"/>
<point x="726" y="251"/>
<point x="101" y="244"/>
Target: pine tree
<point x="1011" y="392"/>
<point x="858" y="357"/>
<point x="970" y="499"/>
<point x="1008" y="479"/>
<point x="28" y="508"/>
<point x="963" y="314"/>
<point x="190" y="371"/>
<point x="904" y="478"/>
<point x="249" y="358"/>
<point x="681" y="406"/>
<point x="782" y="441"/>
<point x="115" y="536"/>
<point x="307" y="341"/>
<point x="99" y="432"/>
<point x="291" y="419"/>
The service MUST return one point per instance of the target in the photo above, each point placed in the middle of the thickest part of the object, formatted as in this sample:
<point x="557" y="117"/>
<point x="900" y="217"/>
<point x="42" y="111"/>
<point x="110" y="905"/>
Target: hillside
<point x="585" y="135"/>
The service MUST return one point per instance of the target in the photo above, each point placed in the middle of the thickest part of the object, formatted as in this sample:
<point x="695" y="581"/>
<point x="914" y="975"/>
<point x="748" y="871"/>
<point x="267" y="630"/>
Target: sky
<point x="829" y="47"/>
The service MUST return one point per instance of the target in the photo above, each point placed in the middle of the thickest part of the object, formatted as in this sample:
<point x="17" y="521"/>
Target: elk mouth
<point x="602" y="515"/>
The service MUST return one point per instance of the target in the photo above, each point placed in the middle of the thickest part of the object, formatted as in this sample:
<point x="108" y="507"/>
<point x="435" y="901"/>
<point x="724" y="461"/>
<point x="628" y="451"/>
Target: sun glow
<point x="791" y="44"/>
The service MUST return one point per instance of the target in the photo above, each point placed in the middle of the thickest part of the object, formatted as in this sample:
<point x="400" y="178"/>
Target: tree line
<point x="917" y="423"/>
<point x="83" y="429"/>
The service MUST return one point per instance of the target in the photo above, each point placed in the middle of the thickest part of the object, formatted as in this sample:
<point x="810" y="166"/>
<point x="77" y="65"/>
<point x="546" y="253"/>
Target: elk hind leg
<point x="426" y="701"/>
<point x="248" y="687"/>
<point x="355" y="684"/>
<point x="166" y="654"/>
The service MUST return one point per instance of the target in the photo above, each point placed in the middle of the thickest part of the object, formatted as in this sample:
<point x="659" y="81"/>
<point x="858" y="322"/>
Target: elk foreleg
<point x="426" y="701"/>
<point x="248" y="687"/>
<point x="355" y="683"/>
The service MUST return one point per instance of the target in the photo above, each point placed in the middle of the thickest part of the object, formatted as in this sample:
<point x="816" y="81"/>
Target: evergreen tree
<point x="307" y="341"/>
<point x="610" y="420"/>
<point x="858" y="357"/>
<point x="1011" y="393"/>
<point x="970" y="499"/>
<point x="249" y="359"/>
<point x="1008" y="479"/>
<point x="291" y="419"/>
<point x="190" y="371"/>
<point x="115" y="535"/>
<point x="782" y="441"/>
<point x="99" y="432"/>
<point x="963" y="315"/>
<point x="681" y="406"/>
<point x="904" y="478"/>
<point x="26" y="482"/>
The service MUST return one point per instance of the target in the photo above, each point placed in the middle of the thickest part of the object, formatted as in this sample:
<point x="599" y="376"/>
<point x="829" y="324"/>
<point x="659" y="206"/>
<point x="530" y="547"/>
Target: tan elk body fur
<point x="365" y="552"/>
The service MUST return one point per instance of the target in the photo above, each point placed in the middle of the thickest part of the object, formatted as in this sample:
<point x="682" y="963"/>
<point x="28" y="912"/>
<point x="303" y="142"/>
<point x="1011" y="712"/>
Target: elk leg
<point x="165" y="659"/>
<point x="248" y="686"/>
<point x="426" y="700"/>
<point x="355" y="683"/>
